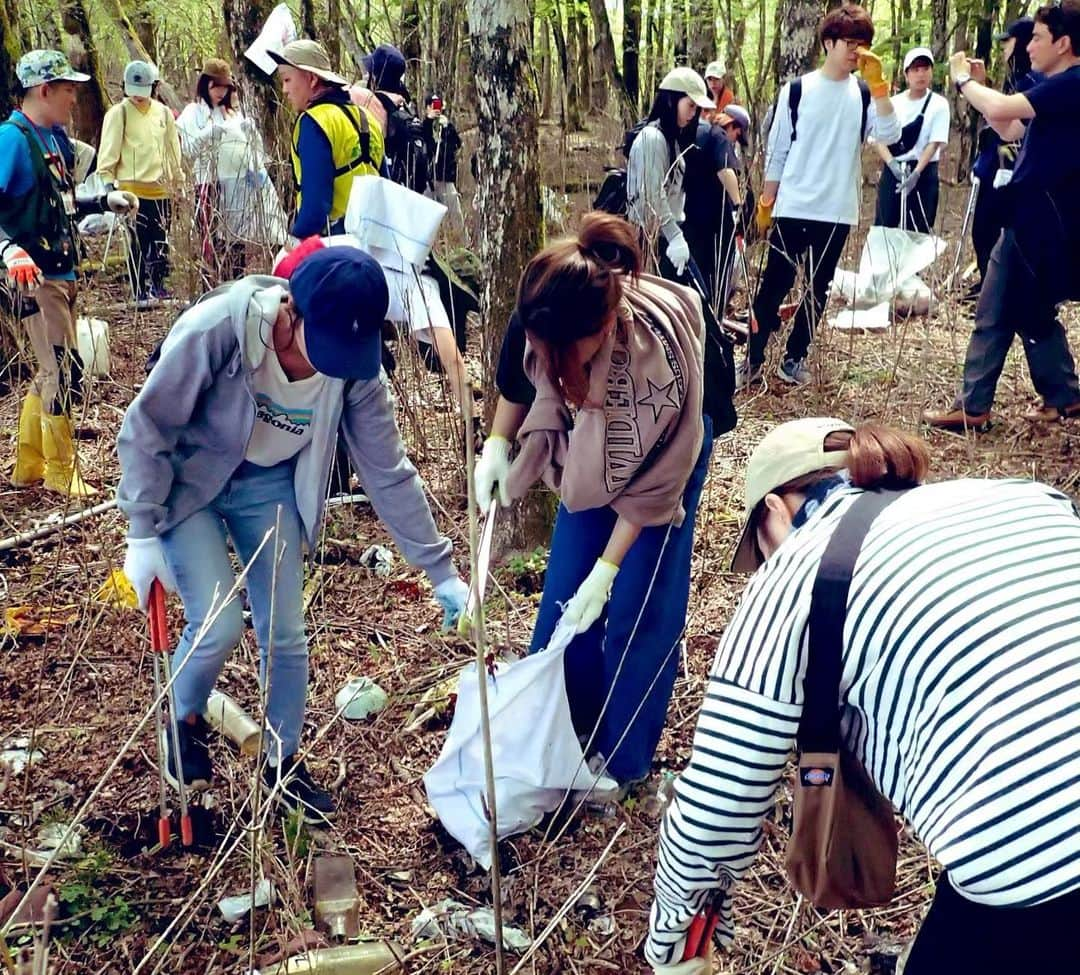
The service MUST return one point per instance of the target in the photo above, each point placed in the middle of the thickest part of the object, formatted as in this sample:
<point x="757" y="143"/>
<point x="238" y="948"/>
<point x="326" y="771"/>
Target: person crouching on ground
<point x="959" y="663"/>
<point x="233" y="436"/>
<point x="607" y="409"/>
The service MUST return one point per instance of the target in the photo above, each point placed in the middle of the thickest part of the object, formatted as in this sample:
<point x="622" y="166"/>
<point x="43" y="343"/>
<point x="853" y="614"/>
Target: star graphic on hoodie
<point x="660" y="398"/>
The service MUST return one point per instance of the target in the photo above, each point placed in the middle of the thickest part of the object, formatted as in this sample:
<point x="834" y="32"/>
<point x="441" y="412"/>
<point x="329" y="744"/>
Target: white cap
<point x="715" y="70"/>
<point x="791" y="450"/>
<point x="689" y="82"/>
<point x="139" y="78"/>
<point x="915" y="53"/>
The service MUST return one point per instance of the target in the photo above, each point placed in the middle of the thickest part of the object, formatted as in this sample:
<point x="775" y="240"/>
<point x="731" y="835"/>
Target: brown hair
<point x="569" y="290"/>
<point x="848" y="21"/>
<point x="879" y="456"/>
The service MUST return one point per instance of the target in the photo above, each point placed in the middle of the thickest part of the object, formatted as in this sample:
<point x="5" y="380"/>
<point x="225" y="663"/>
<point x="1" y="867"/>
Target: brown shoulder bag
<point x="842" y="852"/>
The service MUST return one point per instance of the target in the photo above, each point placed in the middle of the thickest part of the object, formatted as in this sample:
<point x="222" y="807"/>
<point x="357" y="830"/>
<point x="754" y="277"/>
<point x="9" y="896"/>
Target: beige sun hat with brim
<point x="689" y="82"/>
<point x="308" y="56"/>
<point x="791" y="450"/>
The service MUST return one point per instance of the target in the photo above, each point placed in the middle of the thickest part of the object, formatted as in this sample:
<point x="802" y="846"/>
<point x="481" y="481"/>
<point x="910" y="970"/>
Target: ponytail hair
<point x="879" y="456"/>
<point x="570" y="290"/>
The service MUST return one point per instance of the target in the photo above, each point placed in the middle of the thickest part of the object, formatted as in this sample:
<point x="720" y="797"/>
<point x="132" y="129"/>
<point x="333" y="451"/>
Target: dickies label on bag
<point x="815" y="775"/>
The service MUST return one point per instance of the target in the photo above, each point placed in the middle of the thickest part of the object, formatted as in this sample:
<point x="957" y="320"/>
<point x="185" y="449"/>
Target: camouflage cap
<point x="40" y="67"/>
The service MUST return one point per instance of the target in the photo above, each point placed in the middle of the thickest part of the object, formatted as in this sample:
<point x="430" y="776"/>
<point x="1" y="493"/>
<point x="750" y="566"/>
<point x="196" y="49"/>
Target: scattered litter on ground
<point x="229" y="719"/>
<point x="59" y="836"/>
<point x="365" y="958"/>
<point x="379" y="559"/>
<point x="360" y="698"/>
<point x="35" y="621"/>
<point x="234" y="908"/>
<point x="16" y="756"/>
<point x="453" y="921"/>
<point x="117" y="591"/>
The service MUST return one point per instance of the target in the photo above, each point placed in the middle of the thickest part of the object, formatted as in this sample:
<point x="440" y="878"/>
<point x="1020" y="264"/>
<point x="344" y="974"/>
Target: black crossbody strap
<point x="819" y="728"/>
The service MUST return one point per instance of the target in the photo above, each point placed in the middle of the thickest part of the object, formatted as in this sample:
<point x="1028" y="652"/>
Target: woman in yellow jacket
<point x="140" y="151"/>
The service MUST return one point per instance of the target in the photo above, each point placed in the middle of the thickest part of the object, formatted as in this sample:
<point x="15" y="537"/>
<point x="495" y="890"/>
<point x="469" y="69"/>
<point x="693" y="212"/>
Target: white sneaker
<point x="795" y="372"/>
<point x="745" y="375"/>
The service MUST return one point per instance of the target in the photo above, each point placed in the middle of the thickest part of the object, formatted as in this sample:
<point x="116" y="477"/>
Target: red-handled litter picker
<point x="699" y="937"/>
<point x="159" y="645"/>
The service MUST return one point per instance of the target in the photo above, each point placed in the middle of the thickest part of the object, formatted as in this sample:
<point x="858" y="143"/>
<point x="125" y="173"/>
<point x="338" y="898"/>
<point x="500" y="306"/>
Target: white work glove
<point x="492" y="468"/>
<point x="451" y="595"/>
<point x="121" y="201"/>
<point x="247" y="126"/>
<point x="908" y="183"/>
<point x="22" y="272"/>
<point x="897" y="169"/>
<point x="678" y="252"/>
<point x="145" y="562"/>
<point x="695" y="966"/>
<point x="585" y="606"/>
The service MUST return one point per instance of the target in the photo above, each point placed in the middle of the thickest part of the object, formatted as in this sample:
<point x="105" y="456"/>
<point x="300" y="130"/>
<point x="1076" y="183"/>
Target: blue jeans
<point x="197" y="552"/>
<point x="632" y="651"/>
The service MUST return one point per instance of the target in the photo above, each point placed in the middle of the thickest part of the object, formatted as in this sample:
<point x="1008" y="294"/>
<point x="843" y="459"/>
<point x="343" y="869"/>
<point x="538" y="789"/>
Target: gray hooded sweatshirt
<point x="187" y="431"/>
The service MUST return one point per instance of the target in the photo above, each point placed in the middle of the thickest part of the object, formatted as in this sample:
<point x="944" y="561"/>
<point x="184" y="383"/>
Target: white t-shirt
<point x="284" y="412"/>
<point x="935" y="127"/>
<point x="819" y="172"/>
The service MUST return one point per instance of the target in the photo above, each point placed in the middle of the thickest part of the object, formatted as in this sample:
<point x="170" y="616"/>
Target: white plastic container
<point x="92" y="338"/>
<point x="229" y="719"/>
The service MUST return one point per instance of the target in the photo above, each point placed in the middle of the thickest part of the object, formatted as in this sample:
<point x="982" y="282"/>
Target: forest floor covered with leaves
<point x="80" y="690"/>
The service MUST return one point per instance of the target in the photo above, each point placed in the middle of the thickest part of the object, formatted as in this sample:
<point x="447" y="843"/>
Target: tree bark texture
<point x="702" y="44"/>
<point x="244" y="20"/>
<point x="798" y="22"/>
<point x="9" y="56"/>
<point x="82" y="53"/>
<point x="571" y="67"/>
<point x="939" y="28"/>
<point x="410" y="40"/>
<point x="604" y="49"/>
<point x="631" y="46"/>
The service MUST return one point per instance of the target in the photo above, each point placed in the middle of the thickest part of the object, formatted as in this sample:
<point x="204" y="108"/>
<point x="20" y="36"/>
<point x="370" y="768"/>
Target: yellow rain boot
<point x="61" y="464"/>
<point x="29" y="462"/>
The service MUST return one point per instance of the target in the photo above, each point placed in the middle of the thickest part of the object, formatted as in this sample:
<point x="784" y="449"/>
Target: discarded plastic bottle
<point x="656" y="804"/>
<point x="226" y="716"/>
<point x="336" y="899"/>
<point x="366" y="958"/>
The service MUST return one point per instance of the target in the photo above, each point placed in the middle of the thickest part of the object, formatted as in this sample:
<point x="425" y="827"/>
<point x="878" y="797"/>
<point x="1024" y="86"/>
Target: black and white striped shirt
<point x="962" y="690"/>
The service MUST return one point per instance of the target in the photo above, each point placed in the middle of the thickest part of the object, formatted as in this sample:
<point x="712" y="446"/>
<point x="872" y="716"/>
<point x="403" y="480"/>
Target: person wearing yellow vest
<point x="140" y="151"/>
<point x="333" y="140"/>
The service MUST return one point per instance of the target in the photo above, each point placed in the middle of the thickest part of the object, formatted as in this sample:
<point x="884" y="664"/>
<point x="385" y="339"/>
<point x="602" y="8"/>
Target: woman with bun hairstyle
<point x="959" y="666"/>
<point x="606" y="406"/>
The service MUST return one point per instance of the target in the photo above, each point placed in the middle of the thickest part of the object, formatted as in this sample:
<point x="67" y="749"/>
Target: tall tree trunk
<point x="559" y="35"/>
<point x="137" y="51"/>
<point x="702" y="46"/>
<point x="142" y="16"/>
<point x="584" y="60"/>
<point x="631" y="45"/>
<point x="679" y="42"/>
<point x="244" y="20"/>
<point x="604" y="49"/>
<point x="798" y="37"/>
<point x="15" y="28"/>
<point x="939" y="27"/>
<point x="307" y="20"/>
<point x="508" y="184"/>
<point x="544" y="52"/>
<point x="82" y="53"/>
<point x="410" y="38"/>
<point x="445" y="59"/>
<point x="571" y="73"/>
<point x="333" y="32"/>
<point x="9" y="56"/>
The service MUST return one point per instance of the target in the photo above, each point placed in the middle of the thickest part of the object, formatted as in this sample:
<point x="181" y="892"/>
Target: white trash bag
<point x="535" y="751"/>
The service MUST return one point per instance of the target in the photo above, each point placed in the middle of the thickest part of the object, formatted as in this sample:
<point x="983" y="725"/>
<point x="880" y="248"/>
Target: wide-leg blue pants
<point x="632" y="651"/>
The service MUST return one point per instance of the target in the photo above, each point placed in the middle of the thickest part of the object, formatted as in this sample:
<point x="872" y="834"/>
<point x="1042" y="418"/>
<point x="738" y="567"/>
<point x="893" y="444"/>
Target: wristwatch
<point x="961" y="80"/>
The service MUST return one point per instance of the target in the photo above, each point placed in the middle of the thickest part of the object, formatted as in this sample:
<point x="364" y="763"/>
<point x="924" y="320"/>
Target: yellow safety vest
<point x="347" y="128"/>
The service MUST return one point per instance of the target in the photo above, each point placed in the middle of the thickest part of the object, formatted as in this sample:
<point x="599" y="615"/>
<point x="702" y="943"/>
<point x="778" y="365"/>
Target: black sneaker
<point x="297" y="791"/>
<point x="194" y="755"/>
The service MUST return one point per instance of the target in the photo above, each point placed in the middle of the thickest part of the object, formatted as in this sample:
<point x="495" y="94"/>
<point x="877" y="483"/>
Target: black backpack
<point x="406" y="148"/>
<point x="611" y="197"/>
<point x="795" y="96"/>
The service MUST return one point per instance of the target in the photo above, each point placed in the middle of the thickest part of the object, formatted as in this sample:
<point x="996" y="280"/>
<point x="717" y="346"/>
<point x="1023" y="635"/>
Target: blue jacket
<point x="187" y="431"/>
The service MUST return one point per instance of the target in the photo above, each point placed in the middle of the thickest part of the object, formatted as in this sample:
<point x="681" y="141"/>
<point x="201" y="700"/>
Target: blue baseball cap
<point x="341" y="294"/>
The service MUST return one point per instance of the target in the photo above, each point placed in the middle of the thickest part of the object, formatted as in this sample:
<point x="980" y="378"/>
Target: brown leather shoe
<point x="1051" y="414"/>
<point x="955" y="419"/>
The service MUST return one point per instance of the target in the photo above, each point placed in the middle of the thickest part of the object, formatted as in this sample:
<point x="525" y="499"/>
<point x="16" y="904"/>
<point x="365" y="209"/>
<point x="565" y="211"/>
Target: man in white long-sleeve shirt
<point x="812" y="175"/>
